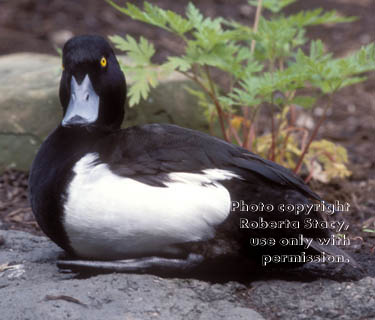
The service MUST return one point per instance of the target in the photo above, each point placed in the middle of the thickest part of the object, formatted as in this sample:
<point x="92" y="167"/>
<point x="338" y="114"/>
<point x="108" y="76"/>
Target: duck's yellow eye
<point x="103" y="62"/>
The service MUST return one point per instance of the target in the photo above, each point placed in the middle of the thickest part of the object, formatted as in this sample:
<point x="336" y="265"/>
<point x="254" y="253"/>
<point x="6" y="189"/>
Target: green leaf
<point x="151" y="14"/>
<point x="244" y="31"/>
<point x="316" y="17"/>
<point x="276" y="38"/>
<point x="143" y="80"/>
<point x="333" y="74"/>
<point x="304" y="101"/>
<point x="273" y="5"/>
<point x="177" y="63"/>
<point x="317" y="50"/>
<point x="368" y="230"/>
<point x="143" y="74"/>
<point x="58" y="50"/>
<point x="177" y="23"/>
<point x="194" y="15"/>
<point x="140" y="53"/>
<point x="198" y="20"/>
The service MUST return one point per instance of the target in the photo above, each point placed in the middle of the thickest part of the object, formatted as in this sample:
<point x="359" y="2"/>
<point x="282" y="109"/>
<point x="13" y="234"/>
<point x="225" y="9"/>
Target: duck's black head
<point x="92" y="87"/>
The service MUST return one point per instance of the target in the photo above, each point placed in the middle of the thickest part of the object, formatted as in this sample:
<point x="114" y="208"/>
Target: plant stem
<point x="271" y="152"/>
<point x="251" y="132"/>
<point x="211" y="123"/>
<point x="314" y="134"/>
<point x="289" y="131"/>
<point x="217" y="104"/>
<point x="245" y="127"/>
<point x="235" y="134"/>
<point x="213" y="98"/>
<point x="255" y="27"/>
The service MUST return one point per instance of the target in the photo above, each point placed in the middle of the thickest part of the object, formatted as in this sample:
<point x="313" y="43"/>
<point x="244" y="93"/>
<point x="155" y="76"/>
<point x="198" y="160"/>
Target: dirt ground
<point x="40" y="25"/>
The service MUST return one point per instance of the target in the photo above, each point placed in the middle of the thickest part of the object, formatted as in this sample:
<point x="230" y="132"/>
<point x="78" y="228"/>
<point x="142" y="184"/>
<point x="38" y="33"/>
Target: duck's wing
<point x="152" y="153"/>
<point x="149" y="153"/>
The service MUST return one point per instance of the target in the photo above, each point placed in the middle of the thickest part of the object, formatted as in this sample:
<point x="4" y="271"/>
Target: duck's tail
<point x="332" y="250"/>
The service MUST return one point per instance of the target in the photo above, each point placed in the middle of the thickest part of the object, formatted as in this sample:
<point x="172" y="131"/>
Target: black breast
<point x="50" y="175"/>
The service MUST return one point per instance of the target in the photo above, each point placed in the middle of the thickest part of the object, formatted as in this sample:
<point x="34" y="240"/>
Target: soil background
<point x="42" y="25"/>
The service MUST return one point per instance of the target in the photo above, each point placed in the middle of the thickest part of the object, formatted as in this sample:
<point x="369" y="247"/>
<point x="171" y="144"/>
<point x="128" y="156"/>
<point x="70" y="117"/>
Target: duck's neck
<point x="77" y="140"/>
<point x="65" y="146"/>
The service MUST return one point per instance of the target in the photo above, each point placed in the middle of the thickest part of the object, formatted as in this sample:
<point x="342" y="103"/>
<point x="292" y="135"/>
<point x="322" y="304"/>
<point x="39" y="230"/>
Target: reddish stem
<point x="215" y="101"/>
<point x="313" y="136"/>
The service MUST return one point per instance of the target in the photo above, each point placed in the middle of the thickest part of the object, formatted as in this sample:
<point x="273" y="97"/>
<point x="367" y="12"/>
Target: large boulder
<point x="32" y="288"/>
<point x="30" y="107"/>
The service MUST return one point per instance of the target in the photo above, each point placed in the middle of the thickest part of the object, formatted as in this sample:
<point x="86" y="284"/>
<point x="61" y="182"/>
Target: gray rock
<point x="28" y="100"/>
<point x="30" y="107"/>
<point x="317" y="300"/>
<point x="169" y="103"/>
<point x="32" y="288"/>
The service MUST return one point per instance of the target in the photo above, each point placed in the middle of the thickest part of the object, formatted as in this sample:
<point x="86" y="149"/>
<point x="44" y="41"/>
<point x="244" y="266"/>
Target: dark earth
<point x="42" y="25"/>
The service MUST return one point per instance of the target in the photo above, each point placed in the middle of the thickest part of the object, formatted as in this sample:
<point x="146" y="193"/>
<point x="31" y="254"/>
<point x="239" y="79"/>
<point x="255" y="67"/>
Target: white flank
<point x="109" y="217"/>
